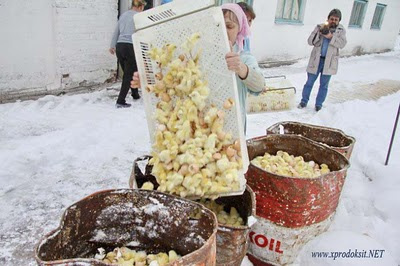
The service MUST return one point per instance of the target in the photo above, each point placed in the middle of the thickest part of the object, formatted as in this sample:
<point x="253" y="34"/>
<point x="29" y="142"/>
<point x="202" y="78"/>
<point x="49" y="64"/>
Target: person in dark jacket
<point x="122" y="45"/>
<point x="327" y="39"/>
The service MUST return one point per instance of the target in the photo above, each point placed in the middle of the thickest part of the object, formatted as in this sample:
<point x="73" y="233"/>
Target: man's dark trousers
<point x="126" y="57"/>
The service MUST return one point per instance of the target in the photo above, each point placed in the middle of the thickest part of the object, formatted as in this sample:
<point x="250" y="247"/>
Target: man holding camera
<point x="327" y="39"/>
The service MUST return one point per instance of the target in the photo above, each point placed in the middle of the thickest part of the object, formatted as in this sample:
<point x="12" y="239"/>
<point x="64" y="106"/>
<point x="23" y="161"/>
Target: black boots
<point x="135" y="94"/>
<point x="122" y="105"/>
<point x="301" y="105"/>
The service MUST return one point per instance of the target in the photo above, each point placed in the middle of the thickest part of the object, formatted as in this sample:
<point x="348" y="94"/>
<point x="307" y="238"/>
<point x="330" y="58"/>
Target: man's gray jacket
<point x="337" y="42"/>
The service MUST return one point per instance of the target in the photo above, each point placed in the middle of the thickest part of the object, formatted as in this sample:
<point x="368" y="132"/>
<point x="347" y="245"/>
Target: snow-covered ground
<point x="56" y="150"/>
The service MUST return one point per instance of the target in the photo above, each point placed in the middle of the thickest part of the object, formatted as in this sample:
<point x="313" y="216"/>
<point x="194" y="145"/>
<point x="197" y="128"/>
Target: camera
<point x="325" y="29"/>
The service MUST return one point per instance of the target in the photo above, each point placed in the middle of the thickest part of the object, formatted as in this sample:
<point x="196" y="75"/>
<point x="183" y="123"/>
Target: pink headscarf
<point x="244" y="29"/>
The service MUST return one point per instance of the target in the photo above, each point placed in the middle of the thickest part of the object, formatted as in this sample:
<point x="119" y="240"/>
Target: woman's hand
<point x="135" y="82"/>
<point x="236" y="65"/>
<point x="112" y="50"/>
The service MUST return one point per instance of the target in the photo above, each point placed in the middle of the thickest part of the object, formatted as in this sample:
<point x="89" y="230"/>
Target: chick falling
<point x="288" y="165"/>
<point x="192" y="154"/>
<point x="128" y="257"/>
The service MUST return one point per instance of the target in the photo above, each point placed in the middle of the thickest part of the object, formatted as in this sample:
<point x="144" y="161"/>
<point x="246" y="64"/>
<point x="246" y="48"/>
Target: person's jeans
<point x="323" y="85"/>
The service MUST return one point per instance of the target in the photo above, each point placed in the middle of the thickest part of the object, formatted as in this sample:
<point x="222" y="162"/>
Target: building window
<point x="289" y="11"/>
<point x="378" y="16"/>
<point x="249" y="2"/>
<point x="357" y="14"/>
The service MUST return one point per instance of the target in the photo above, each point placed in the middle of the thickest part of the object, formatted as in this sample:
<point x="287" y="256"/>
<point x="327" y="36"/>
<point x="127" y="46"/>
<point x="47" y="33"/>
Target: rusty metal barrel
<point x="142" y="220"/>
<point x="232" y="241"/>
<point x="334" y="138"/>
<point x="291" y="211"/>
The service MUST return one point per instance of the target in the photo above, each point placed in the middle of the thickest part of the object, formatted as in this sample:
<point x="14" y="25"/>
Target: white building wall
<point x="272" y="41"/>
<point x="58" y="45"/>
<point x="82" y="38"/>
<point x="54" y="45"/>
<point x="27" y="57"/>
<point x="369" y="40"/>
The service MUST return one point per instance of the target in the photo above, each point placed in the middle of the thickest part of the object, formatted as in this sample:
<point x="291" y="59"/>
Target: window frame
<point x="383" y="11"/>
<point x="282" y="20"/>
<point x="361" y="15"/>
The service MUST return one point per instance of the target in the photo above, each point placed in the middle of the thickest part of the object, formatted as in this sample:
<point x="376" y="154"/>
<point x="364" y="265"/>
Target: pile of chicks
<point x="232" y="218"/>
<point x="192" y="154"/>
<point x="128" y="257"/>
<point x="224" y="218"/>
<point x="270" y="100"/>
<point x="287" y="165"/>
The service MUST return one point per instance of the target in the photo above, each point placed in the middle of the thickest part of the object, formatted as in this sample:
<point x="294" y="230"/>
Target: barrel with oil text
<point x="291" y="210"/>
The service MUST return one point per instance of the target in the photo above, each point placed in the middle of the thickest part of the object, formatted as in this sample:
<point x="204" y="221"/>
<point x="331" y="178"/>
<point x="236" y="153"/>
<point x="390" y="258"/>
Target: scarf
<point x="244" y="29"/>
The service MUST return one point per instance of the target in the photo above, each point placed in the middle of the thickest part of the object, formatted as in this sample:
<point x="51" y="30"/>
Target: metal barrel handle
<point x="136" y="170"/>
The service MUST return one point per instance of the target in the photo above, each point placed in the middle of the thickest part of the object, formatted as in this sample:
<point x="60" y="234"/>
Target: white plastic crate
<point x="279" y="94"/>
<point x="174" y="23"/>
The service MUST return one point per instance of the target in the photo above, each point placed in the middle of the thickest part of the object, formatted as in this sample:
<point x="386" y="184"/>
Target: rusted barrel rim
<point x="136" y="171"/>
<point x="64" y="261"/>
<point x="312" y="142"/>
<point x="99" y="262"/>
<point x="352" y="139"/>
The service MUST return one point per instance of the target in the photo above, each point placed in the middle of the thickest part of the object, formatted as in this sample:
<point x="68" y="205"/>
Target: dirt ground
<point x="372" y="91"/>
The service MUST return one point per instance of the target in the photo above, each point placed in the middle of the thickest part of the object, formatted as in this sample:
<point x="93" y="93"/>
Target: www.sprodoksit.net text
<point x="350" y="254"/>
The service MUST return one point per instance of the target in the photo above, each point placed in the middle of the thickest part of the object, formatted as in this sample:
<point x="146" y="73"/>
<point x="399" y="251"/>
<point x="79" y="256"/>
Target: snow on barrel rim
<point x="80" y="232"/>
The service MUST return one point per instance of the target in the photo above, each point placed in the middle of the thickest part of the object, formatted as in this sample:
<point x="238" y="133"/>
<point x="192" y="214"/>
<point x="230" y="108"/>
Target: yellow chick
<point x="155" y="53"/>
<point x="141" y="256"/>
<point x="172" y="256"/>
<point x="223" y="164"/>
<point x="148" y="186"/>
<point x="162" y="258"/>
<point x="189" y="44"/>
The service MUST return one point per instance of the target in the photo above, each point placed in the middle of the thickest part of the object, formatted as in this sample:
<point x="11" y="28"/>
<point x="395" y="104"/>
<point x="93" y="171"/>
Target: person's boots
<point x="122" y="105"/>
<point x="301" y="105"/>
<point x="135" y="94"/>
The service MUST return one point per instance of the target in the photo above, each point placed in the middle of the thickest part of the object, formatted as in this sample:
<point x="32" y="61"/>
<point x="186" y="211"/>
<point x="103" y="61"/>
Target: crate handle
<point x="279" y="89"/>
<point x="272" y="77"/>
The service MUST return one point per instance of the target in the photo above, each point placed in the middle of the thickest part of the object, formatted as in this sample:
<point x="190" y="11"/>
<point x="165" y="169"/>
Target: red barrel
<point x="292" y="210"/>
<point x="333" y="137"/>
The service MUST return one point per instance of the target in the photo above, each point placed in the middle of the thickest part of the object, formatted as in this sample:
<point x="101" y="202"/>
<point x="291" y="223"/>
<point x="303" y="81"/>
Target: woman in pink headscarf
<point x="248" y="75"/>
